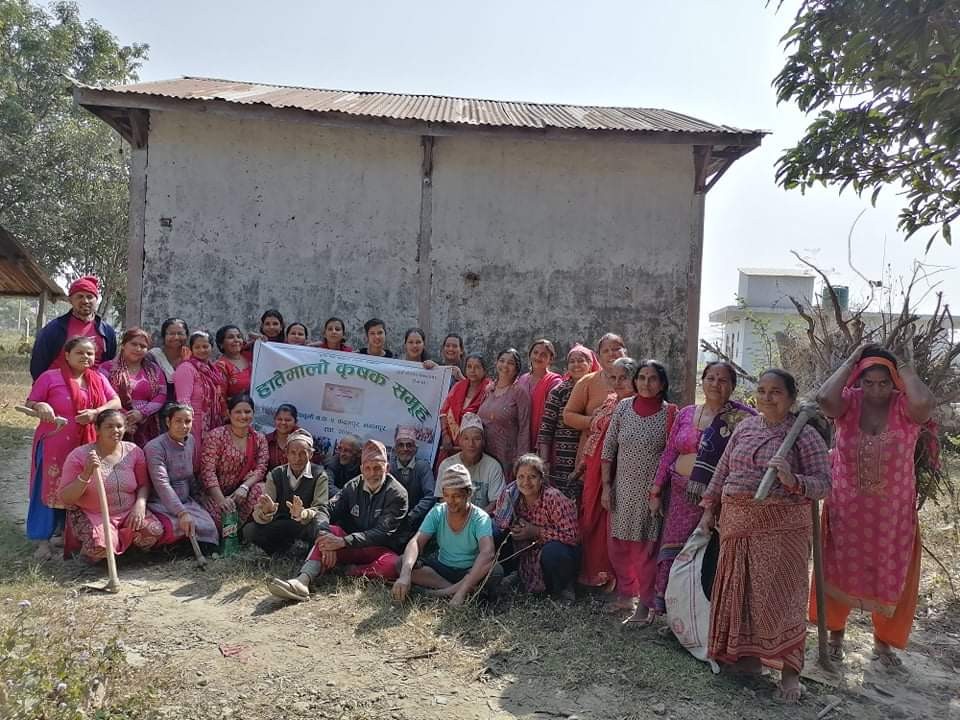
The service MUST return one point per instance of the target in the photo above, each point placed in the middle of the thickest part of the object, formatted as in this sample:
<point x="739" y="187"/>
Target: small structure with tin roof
<point x="21" y="276"/>
<point x="502" y="220"/>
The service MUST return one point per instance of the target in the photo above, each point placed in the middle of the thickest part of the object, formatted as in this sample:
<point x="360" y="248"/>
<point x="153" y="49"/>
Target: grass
<point x="59" y="658"/>
<point x="528" y="647"/>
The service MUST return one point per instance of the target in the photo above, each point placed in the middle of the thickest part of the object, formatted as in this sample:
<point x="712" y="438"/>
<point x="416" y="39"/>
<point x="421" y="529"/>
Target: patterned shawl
<point x="214" y="384"/>
<point x="119" y="376"/>
<point x="712" y="444"/>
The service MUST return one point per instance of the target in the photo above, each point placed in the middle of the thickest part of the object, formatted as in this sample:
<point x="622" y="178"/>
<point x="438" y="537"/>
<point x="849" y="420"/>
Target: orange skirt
<point x="758" y="608"/>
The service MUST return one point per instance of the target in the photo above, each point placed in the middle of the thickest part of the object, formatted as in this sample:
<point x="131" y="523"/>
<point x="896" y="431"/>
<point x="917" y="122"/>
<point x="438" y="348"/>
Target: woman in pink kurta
<point x="506" y="415"/>
<point x="76" y="393"/>
<point x="539" y="382"/>
<point x="233" y="464"/>
<point x="123" y="469"/>
<point x="201" y="385"/>
<point x="140" y="385"/>
<point x="871" y="537"/>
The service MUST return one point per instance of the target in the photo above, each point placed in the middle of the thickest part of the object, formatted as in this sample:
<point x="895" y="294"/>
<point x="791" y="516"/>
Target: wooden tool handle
<point x="766" y="484"/>
<point x="113" y="584"/>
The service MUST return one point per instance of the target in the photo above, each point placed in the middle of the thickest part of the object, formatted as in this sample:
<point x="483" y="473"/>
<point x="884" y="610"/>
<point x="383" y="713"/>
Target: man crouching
<point x="464" y="537"/>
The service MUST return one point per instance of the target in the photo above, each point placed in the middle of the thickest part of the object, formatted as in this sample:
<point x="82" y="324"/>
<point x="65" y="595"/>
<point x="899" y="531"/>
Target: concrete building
<point x="748" y="328"/>
<point x="499" y="220"/>
<point x="763" y="308"/>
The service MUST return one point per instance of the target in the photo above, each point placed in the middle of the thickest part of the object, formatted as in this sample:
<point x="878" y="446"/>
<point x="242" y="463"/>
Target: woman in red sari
<point x="236" y="363"/>
<point x="202" y="385"/>
<point x="595" y="567"/>
<point x="78" y="393"/>
<point x="871" y="534"/>
<point x="539" y="382"/>
<point x="466" y="397"/>
<point x="233" y="464"/>
<point x="140" y="384"/>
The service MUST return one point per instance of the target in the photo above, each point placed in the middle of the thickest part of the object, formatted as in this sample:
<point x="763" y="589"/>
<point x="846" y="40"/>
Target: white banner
<point x="338" y="393"/>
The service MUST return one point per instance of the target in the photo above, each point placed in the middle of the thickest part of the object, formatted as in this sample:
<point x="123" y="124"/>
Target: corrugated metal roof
<point x="428" y="108"/>
<point x="19" y="272"/>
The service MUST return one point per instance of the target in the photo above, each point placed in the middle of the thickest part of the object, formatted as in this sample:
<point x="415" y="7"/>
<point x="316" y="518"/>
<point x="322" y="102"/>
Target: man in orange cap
<point x="84" y="295"/>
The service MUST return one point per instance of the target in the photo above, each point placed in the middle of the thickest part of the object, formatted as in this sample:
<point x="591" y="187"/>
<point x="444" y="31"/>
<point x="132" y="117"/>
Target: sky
<point x="712" y="60"/>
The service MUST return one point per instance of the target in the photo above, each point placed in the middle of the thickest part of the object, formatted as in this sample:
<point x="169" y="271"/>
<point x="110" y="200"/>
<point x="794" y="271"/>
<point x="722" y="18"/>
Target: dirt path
<point x="228" y="650"/>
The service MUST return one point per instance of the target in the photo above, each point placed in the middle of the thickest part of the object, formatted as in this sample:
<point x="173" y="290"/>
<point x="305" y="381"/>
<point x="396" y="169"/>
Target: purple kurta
<point x="506" y="426"/>
<point x="170" y="465"/>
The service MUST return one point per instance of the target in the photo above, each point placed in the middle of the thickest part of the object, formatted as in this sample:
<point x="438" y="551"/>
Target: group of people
<point x="544" y="480"/>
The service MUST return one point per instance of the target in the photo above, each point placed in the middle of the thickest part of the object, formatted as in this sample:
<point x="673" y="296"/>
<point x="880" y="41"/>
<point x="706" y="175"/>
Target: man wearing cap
<point x="363" y="533"/>
<point x="84" y="295"/>
<point x="485" y="471"/>
<point x="464" y="535"/>
<point x="415" y="475"/>
<point x="294" y="501"/>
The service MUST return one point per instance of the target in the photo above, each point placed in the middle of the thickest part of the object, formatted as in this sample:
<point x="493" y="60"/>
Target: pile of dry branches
<point x="832" y="334"/>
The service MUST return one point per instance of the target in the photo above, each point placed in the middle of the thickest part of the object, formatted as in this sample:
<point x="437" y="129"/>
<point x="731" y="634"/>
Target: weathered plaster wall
<point x="566" y="240"/>
<point x="529" y="238"/>
<point x="309" y="220"/>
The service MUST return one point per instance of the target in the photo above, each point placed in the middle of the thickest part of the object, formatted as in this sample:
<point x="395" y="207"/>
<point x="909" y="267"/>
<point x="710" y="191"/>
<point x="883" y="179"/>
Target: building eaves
<point x="20" y="275"/>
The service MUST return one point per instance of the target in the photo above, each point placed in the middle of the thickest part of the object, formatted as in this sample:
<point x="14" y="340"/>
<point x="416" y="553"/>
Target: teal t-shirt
<point x="457" y="549"/>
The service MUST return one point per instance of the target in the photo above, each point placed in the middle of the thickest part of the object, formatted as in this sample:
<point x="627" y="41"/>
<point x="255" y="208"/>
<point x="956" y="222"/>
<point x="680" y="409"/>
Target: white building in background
<point x="763" y="309"/>
<point x="748" y="329"/>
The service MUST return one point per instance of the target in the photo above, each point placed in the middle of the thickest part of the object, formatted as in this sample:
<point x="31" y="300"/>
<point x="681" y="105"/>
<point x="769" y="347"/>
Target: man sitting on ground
<point x="294" y="501"/>
<point x="416" y="476"/>
<point x="363" y="535"/>
<point x="464" y="537"/>
<point x="485" y="471"/>
<point x="344" y="466"/>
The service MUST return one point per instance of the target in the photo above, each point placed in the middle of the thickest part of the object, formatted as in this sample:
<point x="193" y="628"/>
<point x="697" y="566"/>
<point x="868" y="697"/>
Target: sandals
<point x="890" y="661"/>
<point x="286" y="590"/>
<point x="641" y="616"/>
<point x="836" y="652"/>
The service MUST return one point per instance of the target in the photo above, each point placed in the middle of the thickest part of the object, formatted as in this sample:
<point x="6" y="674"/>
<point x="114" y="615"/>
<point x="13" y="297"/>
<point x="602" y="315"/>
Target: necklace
<point x="239" y="437"/>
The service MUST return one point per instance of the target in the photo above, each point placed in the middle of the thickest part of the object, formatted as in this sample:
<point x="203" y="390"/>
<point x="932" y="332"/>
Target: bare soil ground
<point x="215" y="645"/>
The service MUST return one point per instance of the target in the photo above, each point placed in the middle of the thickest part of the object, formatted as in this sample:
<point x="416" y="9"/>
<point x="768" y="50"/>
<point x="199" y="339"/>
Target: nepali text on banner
<point x="338" y="394"/>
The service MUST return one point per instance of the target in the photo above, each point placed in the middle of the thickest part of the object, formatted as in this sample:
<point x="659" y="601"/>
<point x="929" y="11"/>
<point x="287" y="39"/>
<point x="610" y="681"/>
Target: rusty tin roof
<point x="425" y="108"/>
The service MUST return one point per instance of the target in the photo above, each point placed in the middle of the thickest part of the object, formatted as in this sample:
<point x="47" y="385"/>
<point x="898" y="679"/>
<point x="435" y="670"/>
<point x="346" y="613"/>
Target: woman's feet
<point x="835" y="645"/>
<point x="43" y="551"/>
<point x="887" y="658"/>
<point x="642" y="616"/>
<point x="790" y="690"/>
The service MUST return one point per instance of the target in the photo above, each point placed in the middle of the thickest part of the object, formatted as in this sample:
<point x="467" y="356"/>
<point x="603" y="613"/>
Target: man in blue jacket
<point x="84" y="296"/>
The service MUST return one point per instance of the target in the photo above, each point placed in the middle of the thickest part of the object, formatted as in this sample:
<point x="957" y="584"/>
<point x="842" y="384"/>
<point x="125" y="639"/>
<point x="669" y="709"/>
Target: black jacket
<point x="371" y="520"/>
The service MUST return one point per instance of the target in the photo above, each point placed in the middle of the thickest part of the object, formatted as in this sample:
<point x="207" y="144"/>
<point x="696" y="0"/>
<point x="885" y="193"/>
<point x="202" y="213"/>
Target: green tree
<point x="63" y="172"/>
<point x="884" y="78"/>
